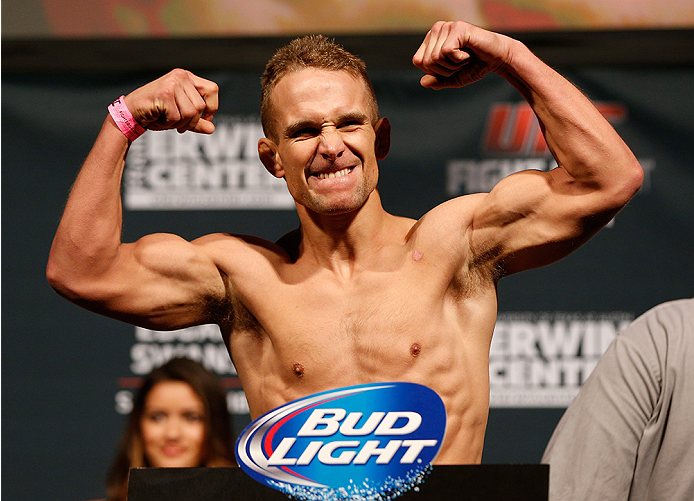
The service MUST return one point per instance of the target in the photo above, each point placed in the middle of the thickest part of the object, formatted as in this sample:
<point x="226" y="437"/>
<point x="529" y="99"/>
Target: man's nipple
<point x="298" y="370"/>
<point x="415" y="350"/>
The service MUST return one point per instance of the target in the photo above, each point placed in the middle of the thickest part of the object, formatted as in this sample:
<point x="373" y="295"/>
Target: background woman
<point x="179" y="419"/>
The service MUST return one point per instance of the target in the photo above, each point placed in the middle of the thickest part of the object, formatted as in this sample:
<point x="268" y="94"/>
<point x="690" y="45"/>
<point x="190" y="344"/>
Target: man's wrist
<point x="125" y="120"/>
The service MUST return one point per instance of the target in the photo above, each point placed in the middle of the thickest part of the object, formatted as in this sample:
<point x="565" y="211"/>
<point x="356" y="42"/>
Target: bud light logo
<point x="366" y="442"/>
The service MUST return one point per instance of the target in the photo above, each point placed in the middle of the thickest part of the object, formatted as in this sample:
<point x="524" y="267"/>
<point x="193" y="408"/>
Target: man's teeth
<point x="331" y="175"/>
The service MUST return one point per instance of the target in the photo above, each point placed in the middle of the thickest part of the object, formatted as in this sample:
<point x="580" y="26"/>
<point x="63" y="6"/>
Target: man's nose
<point x="331" y="144"/>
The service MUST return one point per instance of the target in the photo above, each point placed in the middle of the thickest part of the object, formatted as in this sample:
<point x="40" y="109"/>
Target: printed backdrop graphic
<point x="172" y="171"/>
<point x="202" y="343"/>
<point x="68" y="375"/>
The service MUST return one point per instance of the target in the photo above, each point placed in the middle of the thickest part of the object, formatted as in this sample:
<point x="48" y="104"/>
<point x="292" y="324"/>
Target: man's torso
<point x="407" y="313"/>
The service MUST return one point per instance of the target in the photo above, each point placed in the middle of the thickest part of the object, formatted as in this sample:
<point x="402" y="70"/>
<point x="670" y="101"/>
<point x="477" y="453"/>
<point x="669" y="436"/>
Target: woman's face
<point x="173" y="426"/>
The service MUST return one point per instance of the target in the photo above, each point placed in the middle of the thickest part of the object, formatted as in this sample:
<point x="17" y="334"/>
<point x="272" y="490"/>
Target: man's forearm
<point x="579" y="137"/>
<point x="87" y="240"/>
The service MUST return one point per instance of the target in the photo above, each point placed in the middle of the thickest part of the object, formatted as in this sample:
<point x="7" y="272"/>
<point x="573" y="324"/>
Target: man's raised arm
<point x="533" y="218"/>
<point x="161" y="280"/>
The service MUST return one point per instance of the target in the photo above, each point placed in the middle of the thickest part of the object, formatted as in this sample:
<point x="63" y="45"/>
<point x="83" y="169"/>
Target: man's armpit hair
<point x="488" y="265"/>
<point x="220" y="310"/>
<point x="232" y="316"/>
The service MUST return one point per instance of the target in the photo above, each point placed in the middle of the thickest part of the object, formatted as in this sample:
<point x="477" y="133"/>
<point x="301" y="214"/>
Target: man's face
<point x="325" y="145"/>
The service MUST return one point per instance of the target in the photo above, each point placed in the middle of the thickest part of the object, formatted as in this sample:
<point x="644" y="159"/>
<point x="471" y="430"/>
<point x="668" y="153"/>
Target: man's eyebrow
<point x="353" y="116"/>
<point x="290" y="129"/>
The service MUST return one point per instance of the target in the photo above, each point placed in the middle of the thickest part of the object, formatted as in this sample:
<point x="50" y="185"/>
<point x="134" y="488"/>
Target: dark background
<point x="61" y="365"/>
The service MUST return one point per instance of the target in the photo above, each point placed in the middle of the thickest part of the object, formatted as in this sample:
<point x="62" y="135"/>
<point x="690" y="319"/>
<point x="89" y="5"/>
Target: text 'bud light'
<point x="366" y="442"/>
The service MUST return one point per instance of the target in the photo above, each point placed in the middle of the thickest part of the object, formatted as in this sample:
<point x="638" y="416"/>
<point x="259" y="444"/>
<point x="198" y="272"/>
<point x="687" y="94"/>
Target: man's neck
<point x="340" y="241"/>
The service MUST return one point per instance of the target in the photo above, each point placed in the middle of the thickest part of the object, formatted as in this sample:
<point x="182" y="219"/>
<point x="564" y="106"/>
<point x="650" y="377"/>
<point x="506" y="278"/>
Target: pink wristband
<point x="124" y="119"/>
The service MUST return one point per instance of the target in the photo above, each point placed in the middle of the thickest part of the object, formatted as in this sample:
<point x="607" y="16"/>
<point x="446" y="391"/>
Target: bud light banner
<point x="366" y="442"/>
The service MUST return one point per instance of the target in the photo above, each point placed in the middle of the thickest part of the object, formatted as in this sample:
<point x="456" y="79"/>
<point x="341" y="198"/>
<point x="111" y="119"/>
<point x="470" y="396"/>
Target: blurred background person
<point x="179" y="419"/>
<point x="629" y="434"/>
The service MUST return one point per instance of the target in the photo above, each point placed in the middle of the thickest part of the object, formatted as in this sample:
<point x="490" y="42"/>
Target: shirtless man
<point x="355" y="295"/>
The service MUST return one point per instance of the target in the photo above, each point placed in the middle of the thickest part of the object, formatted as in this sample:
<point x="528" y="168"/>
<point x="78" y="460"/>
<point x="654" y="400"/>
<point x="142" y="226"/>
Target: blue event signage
<point x="368" y="442"/>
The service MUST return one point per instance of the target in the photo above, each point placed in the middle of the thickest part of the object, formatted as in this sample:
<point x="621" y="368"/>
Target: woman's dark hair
<point x="219" y="451"/>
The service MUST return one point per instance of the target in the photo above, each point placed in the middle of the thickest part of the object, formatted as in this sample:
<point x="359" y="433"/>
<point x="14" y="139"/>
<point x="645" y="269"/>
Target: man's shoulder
<point x="240" y="246"/>
<point x="442" y="232"/>
<point x="455" y="213"/>
<point x="673" y="320"/>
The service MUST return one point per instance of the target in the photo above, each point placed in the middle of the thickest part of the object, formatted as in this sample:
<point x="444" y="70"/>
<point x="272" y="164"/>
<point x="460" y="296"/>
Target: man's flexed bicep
<point x="161" y="281"/>
<point x="534" y="218"/>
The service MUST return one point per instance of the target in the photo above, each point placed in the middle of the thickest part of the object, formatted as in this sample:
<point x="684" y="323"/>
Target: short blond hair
<point x="311" y="51"/>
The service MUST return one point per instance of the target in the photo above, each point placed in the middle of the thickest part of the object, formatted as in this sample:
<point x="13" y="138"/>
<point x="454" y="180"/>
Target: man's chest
<point x="332" y="337"/>
<point x="381" y="324"/>
<point x="373" y="302"/>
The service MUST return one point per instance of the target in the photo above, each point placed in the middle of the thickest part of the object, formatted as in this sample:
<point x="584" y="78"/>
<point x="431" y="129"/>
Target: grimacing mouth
<point x="333" y="174"/>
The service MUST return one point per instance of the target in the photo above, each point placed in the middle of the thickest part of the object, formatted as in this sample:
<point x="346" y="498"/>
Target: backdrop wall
<point x="194" y="18"/>
<point x="68" y="374"/>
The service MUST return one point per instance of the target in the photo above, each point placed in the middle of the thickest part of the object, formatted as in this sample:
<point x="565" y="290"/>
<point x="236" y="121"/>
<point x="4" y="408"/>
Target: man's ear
<point x="267" y="151"/>
<point x="382" y="129"/>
